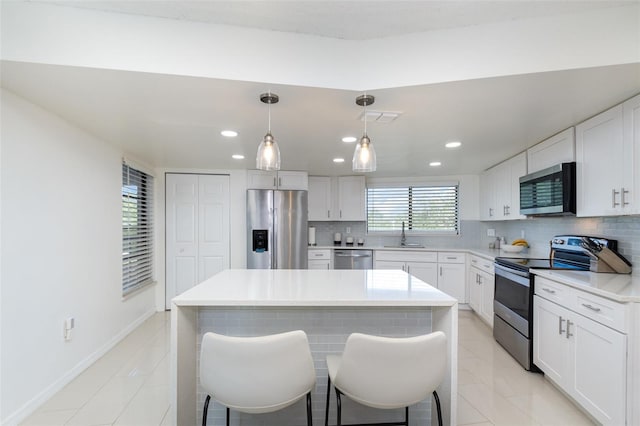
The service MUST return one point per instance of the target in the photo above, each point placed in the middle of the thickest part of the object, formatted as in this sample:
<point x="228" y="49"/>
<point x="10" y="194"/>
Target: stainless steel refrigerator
<point x="276" y="229"/>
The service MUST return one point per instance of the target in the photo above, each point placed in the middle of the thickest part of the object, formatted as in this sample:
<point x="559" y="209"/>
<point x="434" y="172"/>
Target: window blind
<point x="137" y="229"/>
<point x="421" y="208"/>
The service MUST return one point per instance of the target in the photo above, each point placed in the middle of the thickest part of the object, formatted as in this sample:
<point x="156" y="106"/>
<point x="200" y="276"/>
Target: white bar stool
<point x="387" y="372"/>
<point x="257" y="374"/>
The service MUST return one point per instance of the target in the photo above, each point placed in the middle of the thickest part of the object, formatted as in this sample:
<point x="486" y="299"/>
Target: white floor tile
<point x="49" y="418"/>
<point x="148" y="407"/>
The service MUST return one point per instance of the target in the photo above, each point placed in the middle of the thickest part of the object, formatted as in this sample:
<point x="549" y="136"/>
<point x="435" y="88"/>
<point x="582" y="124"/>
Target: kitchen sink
<point x="408" y="245"/>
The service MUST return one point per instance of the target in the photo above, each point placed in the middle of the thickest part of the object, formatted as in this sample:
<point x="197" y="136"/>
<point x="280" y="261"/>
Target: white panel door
<point x="197" y="230"/>
<point x="181" y="234"/>
<point x="213" y="229"/>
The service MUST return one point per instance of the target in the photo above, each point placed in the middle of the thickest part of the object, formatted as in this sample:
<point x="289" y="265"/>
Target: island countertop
<point x="289" y="287"/>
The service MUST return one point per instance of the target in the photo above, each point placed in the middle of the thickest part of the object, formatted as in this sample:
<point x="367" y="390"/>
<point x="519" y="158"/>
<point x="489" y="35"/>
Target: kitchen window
<point x="425" y="209"/>
<point x="137" y="229"/>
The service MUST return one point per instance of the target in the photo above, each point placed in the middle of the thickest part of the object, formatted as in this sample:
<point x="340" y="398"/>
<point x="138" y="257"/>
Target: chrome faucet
<point x="403" y="237"/>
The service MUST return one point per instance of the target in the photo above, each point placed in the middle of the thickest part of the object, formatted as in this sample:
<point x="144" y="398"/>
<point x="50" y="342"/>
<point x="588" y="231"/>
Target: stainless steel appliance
<point x="276" y="229"/>
<point x="551" y="191"/>
<point x="352" y="259"/>
<point x="514" y="289"/>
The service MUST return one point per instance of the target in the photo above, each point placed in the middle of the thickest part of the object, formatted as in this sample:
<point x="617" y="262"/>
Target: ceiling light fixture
<point x="237" y="157"/>
<point x="364" y="157"/>
<point x="338" y="160"/>
<point x="454" y="144"/>
<point x="349" y="139"/>
<point x="268" y="157"/>
<point x="435" y="164"/>
<point x="229" y="133"/>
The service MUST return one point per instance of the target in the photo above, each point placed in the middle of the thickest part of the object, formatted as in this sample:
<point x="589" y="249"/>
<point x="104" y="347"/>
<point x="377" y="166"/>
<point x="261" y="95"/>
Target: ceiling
<point x="172" y="121"/>
<point x="349" y="20"/>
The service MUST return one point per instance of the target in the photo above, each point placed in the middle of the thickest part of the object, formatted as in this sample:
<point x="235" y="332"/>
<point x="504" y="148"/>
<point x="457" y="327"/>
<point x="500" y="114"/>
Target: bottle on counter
<point x="497" y="243"/>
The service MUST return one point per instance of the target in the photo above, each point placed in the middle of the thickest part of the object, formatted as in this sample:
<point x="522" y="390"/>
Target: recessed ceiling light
<point x="349" y="139"/>
<point x="454" y="144"/>
<point x="229" y="133"/>
<point x="237" y="157"/>
<point x="338" y="160"/>
<point x="435" y="164"/>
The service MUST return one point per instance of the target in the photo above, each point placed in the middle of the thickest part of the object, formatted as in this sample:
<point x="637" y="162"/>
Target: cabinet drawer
<point x="606" y="312"/>
<point x="451" y="257"/>
<point x="319" y="254"/>
<point x="406" y="255"/>
<point x="482" y="263"/>
<point x="553" y="291"/>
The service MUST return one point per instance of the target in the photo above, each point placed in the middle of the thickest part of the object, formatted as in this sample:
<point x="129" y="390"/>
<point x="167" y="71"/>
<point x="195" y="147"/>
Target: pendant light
<point x="268" y="157"/>
<point x="364" y="157"/>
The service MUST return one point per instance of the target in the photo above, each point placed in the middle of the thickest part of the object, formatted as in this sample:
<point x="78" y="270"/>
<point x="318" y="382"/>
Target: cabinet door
<point x="475" y="290"/>
<point x="351" y="198"/>
<point x="502" y="188"/>
<point x="517" y="169"/>
<point x="599" y="358"/>
<point x="319" y="264"/>
<point x="260" y="179"/>
<point x="560" y="148"/>
<point x="389" y="264"/>
<point x="599" y="164"/>
<point x="451" y="280"/>
<point x="293" y="180"/>
<point x="427" y="272"/>
<point x="551" y="348"/>
<point x="319" y="198"/>
<point x="630" y="202"/>
<point x="487" y="283"/>
<point x="487" y="196"/>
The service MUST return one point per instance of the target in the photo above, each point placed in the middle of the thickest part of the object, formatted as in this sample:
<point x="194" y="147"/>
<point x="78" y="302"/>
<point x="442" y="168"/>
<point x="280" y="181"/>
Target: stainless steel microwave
<point x="550" y="191"/>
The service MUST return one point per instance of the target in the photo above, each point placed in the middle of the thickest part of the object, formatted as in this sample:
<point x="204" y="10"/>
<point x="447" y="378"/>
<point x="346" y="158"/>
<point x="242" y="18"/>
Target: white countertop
<point x="618" y="287"/>
<point x="293" y="288"/>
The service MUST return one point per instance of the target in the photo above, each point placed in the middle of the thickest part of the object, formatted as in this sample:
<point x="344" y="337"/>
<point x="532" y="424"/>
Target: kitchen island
<point x="328" y="305"/>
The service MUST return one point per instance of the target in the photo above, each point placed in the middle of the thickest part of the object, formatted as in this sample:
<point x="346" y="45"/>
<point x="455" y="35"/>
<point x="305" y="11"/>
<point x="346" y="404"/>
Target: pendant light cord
<point x="365" y="114"/>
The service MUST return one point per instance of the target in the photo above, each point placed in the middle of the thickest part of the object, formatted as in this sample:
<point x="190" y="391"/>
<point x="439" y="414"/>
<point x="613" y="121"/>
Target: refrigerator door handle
<point x="274" y="256"/>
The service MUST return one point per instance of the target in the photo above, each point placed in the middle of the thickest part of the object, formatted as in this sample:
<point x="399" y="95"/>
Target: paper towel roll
<point x="312" y="236"/>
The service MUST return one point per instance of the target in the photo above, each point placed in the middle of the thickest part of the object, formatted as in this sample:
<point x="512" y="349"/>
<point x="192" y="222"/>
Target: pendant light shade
<point x="364" y="157"/>
<point x="268" y="157"/>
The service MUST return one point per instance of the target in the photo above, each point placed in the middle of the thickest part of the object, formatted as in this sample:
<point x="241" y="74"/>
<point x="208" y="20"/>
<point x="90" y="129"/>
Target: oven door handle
<point x="511" y="271"/>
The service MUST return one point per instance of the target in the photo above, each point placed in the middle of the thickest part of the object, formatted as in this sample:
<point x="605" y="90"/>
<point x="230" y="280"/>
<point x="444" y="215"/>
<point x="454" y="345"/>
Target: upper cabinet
<point x="337" y="198"/>
<point x="260" y="179"/>
<point x="500" y="190"/>
<point x="557" y="149"/>
<point x="607" y="147"/>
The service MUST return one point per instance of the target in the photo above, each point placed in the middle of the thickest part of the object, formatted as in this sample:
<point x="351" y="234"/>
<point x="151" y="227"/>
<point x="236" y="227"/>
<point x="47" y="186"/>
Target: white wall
<point x="48" y="33"/>
<point x="61" y="239"/>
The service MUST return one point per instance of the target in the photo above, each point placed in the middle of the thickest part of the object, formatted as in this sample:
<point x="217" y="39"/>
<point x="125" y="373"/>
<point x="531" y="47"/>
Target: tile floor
<point x="130" y="385"/>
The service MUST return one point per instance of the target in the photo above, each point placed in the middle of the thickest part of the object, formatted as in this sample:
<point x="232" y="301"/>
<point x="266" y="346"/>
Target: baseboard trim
<point x="32" y="405"/>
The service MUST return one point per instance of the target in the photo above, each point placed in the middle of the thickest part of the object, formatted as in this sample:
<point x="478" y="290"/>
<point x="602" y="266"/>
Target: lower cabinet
<point x="426" y="271"/>
<point x="481" y="289"/>
<point x="319" y="259"/>
<point x="585" y="358"/>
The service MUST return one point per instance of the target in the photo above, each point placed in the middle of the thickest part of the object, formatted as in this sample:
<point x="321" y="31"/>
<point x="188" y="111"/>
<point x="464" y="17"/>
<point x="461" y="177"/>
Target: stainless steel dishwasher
<point x="352" y="259"/>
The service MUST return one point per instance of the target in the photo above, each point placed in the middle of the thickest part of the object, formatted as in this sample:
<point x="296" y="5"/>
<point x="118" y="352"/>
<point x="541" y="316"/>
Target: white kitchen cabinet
<point x="452" y="275"/>
<point x="337" y="198"/>
<point x="559" y="148"/>
<point x="500" y="189"/>
<point x="319" y="259"/>
<point x="585" y="358"/>
<point x="284" y="179"/>
<point x="351" y="198"/>
<point x="422" y="265"/>
<point x="481" y="288"/>
<point x="607" y="155"/>
<point x="320" y="199"/>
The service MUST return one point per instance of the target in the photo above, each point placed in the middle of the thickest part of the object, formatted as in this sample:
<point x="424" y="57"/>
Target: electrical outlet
<point x="491" y="232"/>
<point x="69" y="324"/>
<point x="522" y="233"/>
<point x="348" y="229"/>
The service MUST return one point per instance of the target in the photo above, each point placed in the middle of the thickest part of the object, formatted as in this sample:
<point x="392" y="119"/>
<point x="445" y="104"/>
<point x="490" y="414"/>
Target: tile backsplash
<point x="537" y="231"/>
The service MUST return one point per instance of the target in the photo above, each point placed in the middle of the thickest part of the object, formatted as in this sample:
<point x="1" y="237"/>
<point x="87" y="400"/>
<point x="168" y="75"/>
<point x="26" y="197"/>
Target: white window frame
<point x="395" y="183"/>
<point x="137" y="229"/>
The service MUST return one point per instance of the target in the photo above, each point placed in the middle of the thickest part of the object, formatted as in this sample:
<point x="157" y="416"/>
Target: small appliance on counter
<point x="349" y="241"/>
<point x="337" y="239"/>
<point x="360" y="242"/>
<point x="312" y="235"/>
